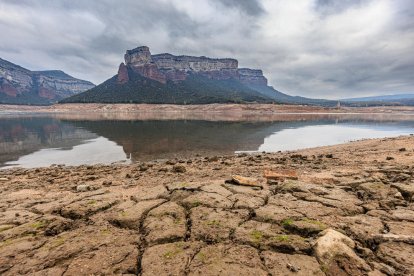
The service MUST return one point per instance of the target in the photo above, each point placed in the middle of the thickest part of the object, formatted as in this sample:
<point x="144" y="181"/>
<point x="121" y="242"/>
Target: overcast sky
<point x="314" y="48"/>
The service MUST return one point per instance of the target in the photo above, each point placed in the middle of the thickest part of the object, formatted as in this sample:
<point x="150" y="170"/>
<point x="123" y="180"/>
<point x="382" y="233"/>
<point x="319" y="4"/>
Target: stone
<point x="280" y="174"/>
<point x="244" y="181"/>
<point x="335" y="252"/>
<point x="179" y="169"/>
<point x="83" y="188"/>
<point x="407" y="190"/>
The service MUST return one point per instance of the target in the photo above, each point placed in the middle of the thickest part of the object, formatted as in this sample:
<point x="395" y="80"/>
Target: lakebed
<point x="330" y="210"/>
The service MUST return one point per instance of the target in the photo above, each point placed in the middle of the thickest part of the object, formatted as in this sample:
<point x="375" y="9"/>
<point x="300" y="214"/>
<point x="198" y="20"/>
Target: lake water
<point x="37" y="141"/>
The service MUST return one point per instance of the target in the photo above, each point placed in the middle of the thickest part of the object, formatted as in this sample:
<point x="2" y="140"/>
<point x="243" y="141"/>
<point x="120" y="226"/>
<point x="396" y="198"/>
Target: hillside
<point x="396" y="99"/>
<point x="195" y="89"/>
<point x="19" y="85"/>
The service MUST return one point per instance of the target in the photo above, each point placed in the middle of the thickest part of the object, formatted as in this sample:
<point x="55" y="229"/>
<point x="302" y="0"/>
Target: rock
<point x="166" y="223"/>
<point x="335" y="252"/>
<point x="106" y="183"/>
<point x="122" y="76"/>
<point x="306" y="227"/>
<point x="209" y="200"/>
<point x="407" y="190"/>
<point x="389" y="158"/>
<point x="252" y="77"/>
<point x="227" y="259"/>
<point x="21" y="86"/>
<point x="244" y="181"/>
<point x="280" y="264"/>
<point x="169" y="258"/>
<point x="179" y="169"/>
<point x="83" y="188"/>
<point x="398" y="255"/>
<point x="2" y="179"/>
<point x="213" y="225"/>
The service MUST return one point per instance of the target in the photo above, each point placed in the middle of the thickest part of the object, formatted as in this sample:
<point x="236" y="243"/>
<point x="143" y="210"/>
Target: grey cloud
<point x="250" y="7"/>
<point x="321" y="49"/>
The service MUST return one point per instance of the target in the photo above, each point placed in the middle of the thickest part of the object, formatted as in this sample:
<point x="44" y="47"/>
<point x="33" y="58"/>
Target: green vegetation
<point x="172" y="253"/>
<point x="215" y="223"/>
<point x="195" y="89"/>
<point x="38" y="225"/>
<point x="320" y="224"/>
<point x="281" y="238"/>
<point x="256" y="235"/>
<point x="286" y="222"/>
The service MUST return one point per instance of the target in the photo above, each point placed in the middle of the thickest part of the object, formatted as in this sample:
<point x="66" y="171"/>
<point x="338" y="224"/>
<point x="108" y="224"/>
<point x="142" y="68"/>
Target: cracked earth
<point x="338" y="210"/>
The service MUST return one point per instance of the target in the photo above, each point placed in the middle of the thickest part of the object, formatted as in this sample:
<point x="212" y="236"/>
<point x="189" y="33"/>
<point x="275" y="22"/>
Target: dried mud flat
<point x="339" y="210"/>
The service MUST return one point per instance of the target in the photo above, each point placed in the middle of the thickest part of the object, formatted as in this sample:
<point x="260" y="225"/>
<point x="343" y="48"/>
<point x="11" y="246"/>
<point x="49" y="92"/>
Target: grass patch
<point x="201" y="257"/>
<point x="256" y="235"/>
<point x="172" y="253"/>
<point x="281" y="238"/>
<point x="315" y="222"/>
<point x="123" y="214"/>
<point x="58" y="242"/>
<point x="6" y="243"/>
<point x="215" y="223"/>
<point x="38" y="225"/>
<point x="91" y="202"/>
<point x="287" y="222"/>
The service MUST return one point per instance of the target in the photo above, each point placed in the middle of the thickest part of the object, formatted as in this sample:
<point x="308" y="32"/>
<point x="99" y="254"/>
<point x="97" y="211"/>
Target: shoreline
<point x="211" y="108"/>
<point x="333" y="209"/>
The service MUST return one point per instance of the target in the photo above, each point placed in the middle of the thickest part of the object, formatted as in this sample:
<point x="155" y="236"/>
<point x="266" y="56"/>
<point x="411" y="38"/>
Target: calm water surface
<point x="34" y="141"/>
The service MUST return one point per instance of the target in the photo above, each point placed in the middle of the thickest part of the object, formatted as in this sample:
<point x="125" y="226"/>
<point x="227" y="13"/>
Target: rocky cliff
<point x="169" y="79"/>
<point x="164" y="67"/>
<point x="21" y="86"/>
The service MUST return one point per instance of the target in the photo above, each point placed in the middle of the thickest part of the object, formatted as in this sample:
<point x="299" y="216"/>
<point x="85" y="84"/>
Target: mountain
<point x="389" y="100"/>
<point x="22" y="86"/>
<point x="166" y="78"/>
<point x="384" y="98"/>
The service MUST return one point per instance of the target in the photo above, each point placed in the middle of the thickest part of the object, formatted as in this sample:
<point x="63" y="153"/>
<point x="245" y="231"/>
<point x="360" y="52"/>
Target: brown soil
<point x="212" y="108"/>
<point x="345" y="209"/>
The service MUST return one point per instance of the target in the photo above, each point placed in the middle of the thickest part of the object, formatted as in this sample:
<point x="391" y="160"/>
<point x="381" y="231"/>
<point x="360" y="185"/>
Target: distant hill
<point x="384" y="98"/>
<point x="165" y="78"/>
<point x="22" y="86"/>
<point x="397" y="99"/>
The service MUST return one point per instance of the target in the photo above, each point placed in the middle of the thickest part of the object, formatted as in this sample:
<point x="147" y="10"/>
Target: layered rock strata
<point x="16" y="81"/>
<point x="164" y="67"/>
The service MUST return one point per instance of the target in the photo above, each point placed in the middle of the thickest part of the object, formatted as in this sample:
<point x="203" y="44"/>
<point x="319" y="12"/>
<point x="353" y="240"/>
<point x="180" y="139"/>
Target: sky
<point x="315" y="48"/>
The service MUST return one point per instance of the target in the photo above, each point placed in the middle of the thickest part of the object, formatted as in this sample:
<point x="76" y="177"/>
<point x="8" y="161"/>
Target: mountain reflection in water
<point x="42" y="141"/>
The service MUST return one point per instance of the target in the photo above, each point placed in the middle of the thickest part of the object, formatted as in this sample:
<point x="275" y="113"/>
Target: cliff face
<point x="164" y="67"/>
<point x="21" y="86"/>
<point x="252" y="77"/>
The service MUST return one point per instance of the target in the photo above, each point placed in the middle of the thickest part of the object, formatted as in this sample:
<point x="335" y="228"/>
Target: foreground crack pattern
<point x="159" y="221"/>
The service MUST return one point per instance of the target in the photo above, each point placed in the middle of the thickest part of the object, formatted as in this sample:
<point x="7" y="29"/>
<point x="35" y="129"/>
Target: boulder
<point x="335" y="252"/>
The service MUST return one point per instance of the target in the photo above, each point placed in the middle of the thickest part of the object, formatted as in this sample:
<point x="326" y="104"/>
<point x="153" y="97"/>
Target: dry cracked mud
<point x="349" y="212"/>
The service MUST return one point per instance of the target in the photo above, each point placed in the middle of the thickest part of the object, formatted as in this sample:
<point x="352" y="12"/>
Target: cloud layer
<point x="314" y="48"/>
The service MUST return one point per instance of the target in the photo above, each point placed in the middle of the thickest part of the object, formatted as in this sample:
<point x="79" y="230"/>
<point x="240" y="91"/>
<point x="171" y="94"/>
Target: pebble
<point x="83" y="188"/>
